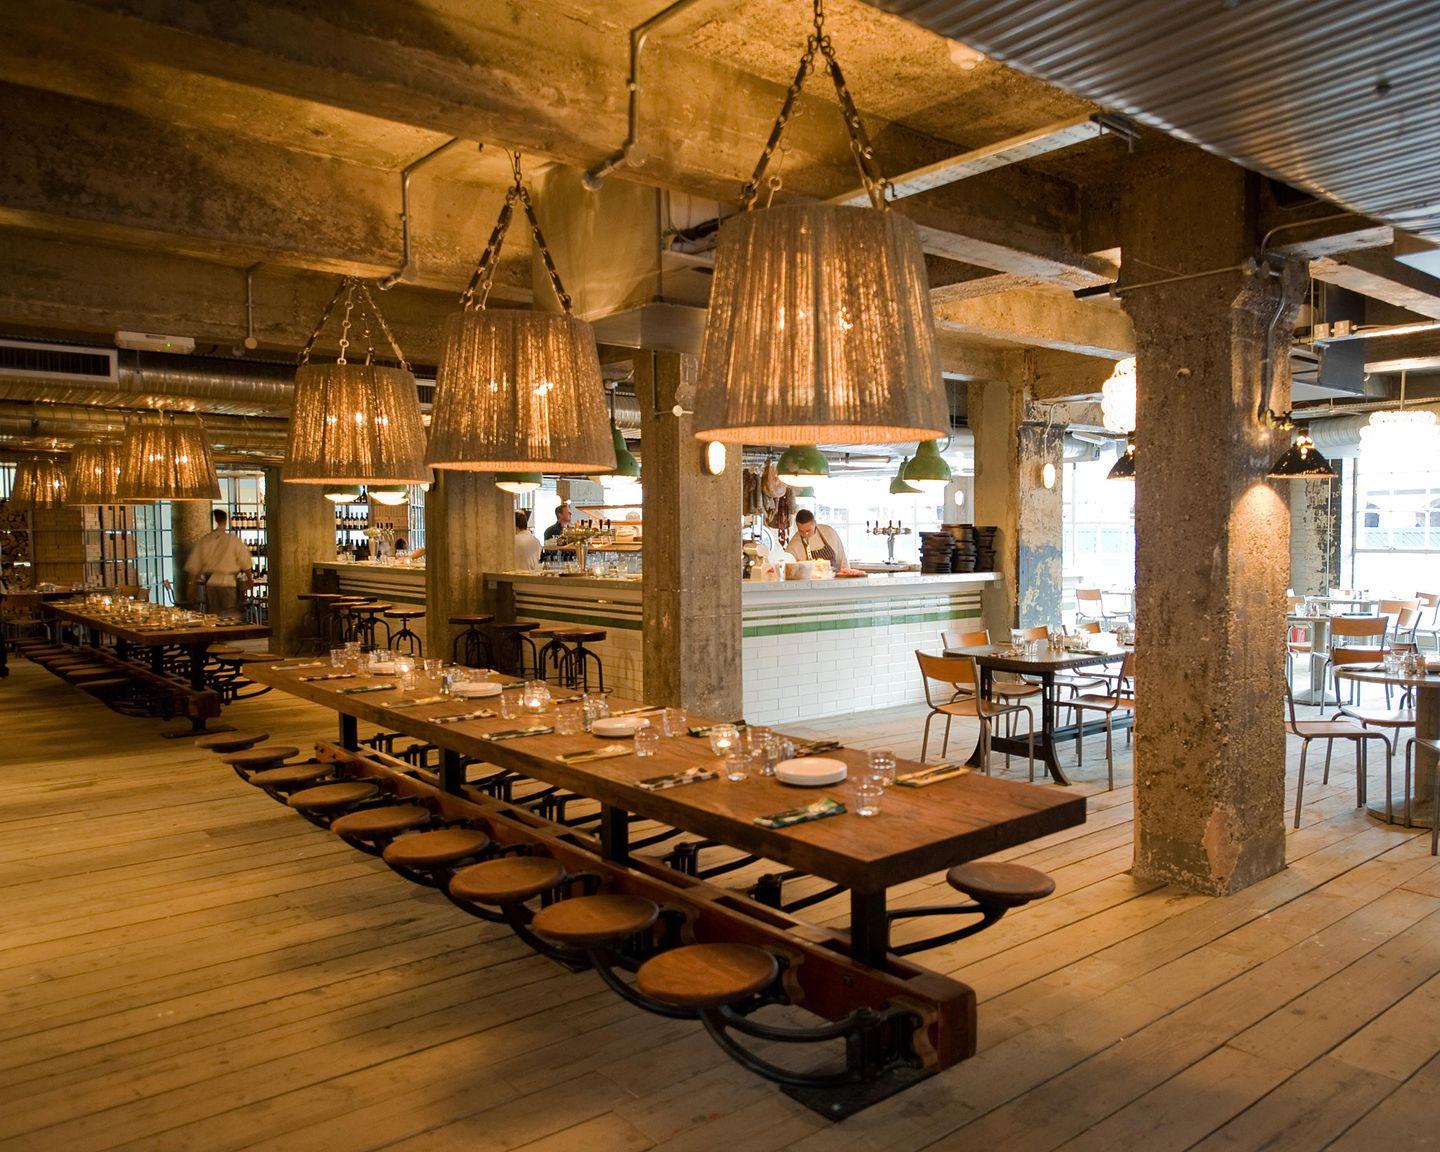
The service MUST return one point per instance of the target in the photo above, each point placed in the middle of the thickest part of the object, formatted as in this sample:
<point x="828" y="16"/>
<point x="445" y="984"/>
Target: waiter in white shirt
<point x="527" y="548"/>
<point x="220" y="561"/>
<point x="815" y="541"/>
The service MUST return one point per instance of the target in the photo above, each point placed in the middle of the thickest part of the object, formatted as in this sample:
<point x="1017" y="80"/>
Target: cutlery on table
<point x="607" y="752"/>
<point x="677" y="779"/>
<point x="359" y="688"/>
<point x="517" y="733"/>
<point x="478" y="714"/>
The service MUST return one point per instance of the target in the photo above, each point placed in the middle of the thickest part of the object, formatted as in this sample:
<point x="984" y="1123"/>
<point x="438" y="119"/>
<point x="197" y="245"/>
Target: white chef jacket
<point x="219" y="555"/>
<point x="826" y="536"/>
<point x="527" y="550"/>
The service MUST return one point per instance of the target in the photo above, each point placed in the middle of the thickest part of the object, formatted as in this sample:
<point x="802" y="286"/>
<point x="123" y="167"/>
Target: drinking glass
<point x="1392" y="663"/>
<point x="510" y="703"/>
<point x="338" y="657"/>
<point x="867" y="797"/>
<point x="647" y="739"/>
<point x="569" y="718"/>
<point x="673" y="721"/>
<point x="433" y="666"/>
<point x="596" y="708"/>
<point x="724" y="738"/>
<point x="737" y="765"/>
<point x="882" y="766"/>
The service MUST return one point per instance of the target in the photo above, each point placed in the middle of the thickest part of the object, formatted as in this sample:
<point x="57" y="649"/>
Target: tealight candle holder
<point x="535" y="696"/>
<point x="724" y="738"/>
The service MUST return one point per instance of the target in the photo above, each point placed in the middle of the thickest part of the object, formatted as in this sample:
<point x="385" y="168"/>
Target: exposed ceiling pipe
<point x="242" y="388"/>
<point x="70" y="421"/>
<point x="595" y="177"/>
<point x="407" y="264"/>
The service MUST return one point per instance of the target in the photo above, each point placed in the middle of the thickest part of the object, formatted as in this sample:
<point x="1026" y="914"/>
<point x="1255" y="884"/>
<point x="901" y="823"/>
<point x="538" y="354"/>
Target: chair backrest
<point x="1358" y="627"/>
<point x="953" y="640"/>
<point x="1127" y="669"/>
<point x="1088" y="596"/>
<point x="1340" y="656"/>
<point x="1090" y="626"/>
<point x="1428" y="599"/>
<point x="959" y="672"/>
<point x="1020" y="634"/>
<point x="1294" y="603"/>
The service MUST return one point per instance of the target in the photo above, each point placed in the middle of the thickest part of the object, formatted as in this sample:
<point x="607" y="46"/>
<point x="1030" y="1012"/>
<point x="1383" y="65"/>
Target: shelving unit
<point x="243" y="497"/>
<point x="111" y="555"/>
<point x="351" y="520"/>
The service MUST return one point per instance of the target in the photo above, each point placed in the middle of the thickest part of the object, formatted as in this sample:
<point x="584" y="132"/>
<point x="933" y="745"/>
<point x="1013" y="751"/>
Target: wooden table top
<point x="149" y="638"/>
<point x="1376" y="674"/>
<point x="998" y="657"/>
<point x="918" y="831"/>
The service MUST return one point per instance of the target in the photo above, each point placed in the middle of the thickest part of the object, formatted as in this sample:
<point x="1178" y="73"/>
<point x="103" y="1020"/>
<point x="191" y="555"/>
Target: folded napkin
<point x="417" y="701"/>
<point x="923" y="777"/>
<point x="359" y="688"/>
<point x="296" y="667"/>
<point x="328" y="676"/>
<point x="707" y="729"/>
<point x="478" y="714"/>
<point x="635" y="711"/>
<point x="815" y="747"/>
<point x="517" y="733"/>
<point x="676" y="779"/>
<point x="606" y="752"/>
<point x="817" y="811"/>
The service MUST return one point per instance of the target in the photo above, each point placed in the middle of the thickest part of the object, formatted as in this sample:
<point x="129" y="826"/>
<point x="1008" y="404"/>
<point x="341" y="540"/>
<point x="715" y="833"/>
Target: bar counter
<point x="393" y="583"/>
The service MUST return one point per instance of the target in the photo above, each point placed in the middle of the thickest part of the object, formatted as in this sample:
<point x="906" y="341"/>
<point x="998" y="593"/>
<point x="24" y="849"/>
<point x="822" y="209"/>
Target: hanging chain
<point x="365" y="331"/>
<point x="348" y="287"/>
<point x="345" y="319"/>
<point x="324" y="319"/>
<point x="877" y="188"/>
<point x="369" y="301"/>
<point x="477" y="293"/>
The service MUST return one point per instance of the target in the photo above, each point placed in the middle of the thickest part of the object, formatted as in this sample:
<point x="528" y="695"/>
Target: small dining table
<point x="1426" y="689"/>
<point x="1043" y="667"/>
<point x="1319" y="625"/>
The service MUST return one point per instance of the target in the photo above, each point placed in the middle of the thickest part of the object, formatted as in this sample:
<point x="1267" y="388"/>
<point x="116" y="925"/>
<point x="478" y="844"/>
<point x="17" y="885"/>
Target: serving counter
<point x="393" y="583"/>
<point x="809" y="648"/>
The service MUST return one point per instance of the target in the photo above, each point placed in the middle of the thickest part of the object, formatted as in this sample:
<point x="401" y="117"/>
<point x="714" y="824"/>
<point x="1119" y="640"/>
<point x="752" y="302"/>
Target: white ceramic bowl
<point x="610" y="726"/>
<point x="811" y="771"/>
<point x="471" y="689"/>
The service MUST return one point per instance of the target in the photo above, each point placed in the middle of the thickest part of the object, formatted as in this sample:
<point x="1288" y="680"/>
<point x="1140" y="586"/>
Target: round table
<point x="1427" y="726"/>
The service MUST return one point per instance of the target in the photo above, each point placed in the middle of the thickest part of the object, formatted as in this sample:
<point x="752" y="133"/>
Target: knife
<point x="415" y="703"/>
<point x="329" y="676"/>
<point x="517" y="733"/>
<point x="478" y="714"/>
<point x="608" y="752"/>
<point x="359" y="688"/>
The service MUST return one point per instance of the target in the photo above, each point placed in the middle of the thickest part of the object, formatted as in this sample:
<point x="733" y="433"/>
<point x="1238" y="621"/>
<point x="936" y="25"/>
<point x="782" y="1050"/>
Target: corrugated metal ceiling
<point x="1337" y="97"/>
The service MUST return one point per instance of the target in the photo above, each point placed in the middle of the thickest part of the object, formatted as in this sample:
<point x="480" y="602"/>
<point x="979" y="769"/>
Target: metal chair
<point x="1330" y="731"/>
<point x="1119" y="698"/>
<point x="962" y="676"/>
<point x="1353" y="632"/>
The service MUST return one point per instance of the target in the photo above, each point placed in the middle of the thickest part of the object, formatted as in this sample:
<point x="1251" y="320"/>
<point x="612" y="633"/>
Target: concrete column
<point x="691" y="586"/>
<point x="1315" y="536"/>
<point x="299" y="530"/>
<point x="469" y="530"/>
<point x="1212" y="534"/>
<point x="189" y="520"/>
<point x="1039" y="526"/>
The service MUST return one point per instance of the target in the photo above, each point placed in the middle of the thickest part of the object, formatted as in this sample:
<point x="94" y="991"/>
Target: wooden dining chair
<point x="1402" y="616"/>
<point x="1090" y="605"/>
<point x="1429" y="623"/>
<point x="1119" y="697"/>
<point x="1411" y="745"/>
<point x="1390" y="719"/>
<point x="1353" y="632"/>
<point x="962" y="676"/>
<point x="1004" y="688"/>
<point x="1330" y="731"/>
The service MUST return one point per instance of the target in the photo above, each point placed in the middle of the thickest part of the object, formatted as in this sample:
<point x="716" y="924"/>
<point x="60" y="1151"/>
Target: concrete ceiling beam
<point x="81" y="169"/>
<point x="1041" y="318"/>
<point x="548" y="80"/>
<point x="1376" y="273"/>
<point x="962" y="360"/>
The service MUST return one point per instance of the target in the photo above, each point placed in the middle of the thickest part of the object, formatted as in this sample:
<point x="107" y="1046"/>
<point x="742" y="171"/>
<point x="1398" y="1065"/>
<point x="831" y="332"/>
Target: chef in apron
<point x="815" y="541"/>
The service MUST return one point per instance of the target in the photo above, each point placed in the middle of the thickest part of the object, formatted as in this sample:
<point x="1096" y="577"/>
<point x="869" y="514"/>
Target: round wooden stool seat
<point x="573" y="633"/>
<point x="405" y="613"/>
<point x="585" y="921"/>
<point x="378" y="823"/>
<point x="999" y="884"/>
<point x="231" y="741"/>
<point x="320" y="596"/>
<point x="509" y="880"/>
<point x="108" y="684"/>
<point x="330" y="797"/>
<point x="706" y="975"/>
<point x="516" y="626"/>
<point x="258" y="759"/>
<point x="290" y="776"/>
<point x="472" y="618"/>
<point x="435" y="849"/>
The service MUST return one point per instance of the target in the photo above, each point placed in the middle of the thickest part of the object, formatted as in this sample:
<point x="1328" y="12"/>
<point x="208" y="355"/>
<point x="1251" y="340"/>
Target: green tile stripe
<point x="861" y="609"/>
<point x="883" y="620"/>
<point x="591" y="619"/>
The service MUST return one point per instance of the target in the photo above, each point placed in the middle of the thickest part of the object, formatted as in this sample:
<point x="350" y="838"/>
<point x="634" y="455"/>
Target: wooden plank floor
<point x="185" y="965"/>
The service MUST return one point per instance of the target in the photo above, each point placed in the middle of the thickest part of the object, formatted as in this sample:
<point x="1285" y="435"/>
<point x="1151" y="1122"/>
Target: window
<point x="1393" y="540"/>
<point x="1098" y="531"/>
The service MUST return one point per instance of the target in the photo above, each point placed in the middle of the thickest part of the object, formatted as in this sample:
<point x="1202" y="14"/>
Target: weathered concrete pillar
<point x="300" y="530"/>
<point x="469" y="530"/>
<point x="189" y="520"/>
<point x="1212" y="534"/>
<point x="691" y="585"/>
<point x="1315" y="535"/>
<point x="1039" y="527"/>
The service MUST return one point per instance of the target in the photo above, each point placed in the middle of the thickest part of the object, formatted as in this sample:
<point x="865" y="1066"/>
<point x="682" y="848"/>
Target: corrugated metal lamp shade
<point x="355" y="424"/>
<point x="39" y="483"/>
<point x="820" y="331"/>
<point x="519" y="392"/>
<point x="94" y="476"/>
<point x="167" y="461"/>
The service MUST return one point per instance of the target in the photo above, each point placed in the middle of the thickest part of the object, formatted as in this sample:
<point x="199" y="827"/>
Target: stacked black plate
<point x="984" y="547"/>
<point x="936" y="549"/>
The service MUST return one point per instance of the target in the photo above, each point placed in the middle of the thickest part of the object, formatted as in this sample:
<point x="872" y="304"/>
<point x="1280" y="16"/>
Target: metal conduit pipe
<point x="237" y="387"/>
<point x="407" y="262"/>
<point x="70" y="421"/>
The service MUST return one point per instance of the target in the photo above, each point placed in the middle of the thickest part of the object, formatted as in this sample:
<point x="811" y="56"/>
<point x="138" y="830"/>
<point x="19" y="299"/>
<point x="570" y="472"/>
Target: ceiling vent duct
<point x="29" y="360"/>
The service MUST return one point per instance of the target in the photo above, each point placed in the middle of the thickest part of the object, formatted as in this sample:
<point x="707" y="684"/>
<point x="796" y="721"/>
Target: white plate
<point x="472" y="689"/>
<point x="617" y="725"/>
<point x="384" y="668"/>
<point x="811" y="771"/>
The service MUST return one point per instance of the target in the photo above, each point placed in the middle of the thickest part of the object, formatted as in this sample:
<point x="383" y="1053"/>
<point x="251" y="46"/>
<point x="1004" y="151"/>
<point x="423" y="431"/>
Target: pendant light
<point x="518" y="390"/>
<point x="627" y="468"/>
<point x="800" y="465"/>
<point x="354" y="423"/>
<point x="343" y="494"/>
<point x="517" y="483"/>
<point x="1117" y="398"/>
<point x="1124" y="467"/>
<point x="1398" y="439"/>
<point x="39" y="483"/>
<point x="391" y="495"/>
<point x="1301" y="461"/>
<point x="167" y="461"/>
<point x="928" y="471"/>
<point x="820" y="329"/>
<point x="900" y="486"/>
<point x="94" y="476"/>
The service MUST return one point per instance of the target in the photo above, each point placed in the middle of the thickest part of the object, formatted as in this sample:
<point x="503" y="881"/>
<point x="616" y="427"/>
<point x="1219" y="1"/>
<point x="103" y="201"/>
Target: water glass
<point x="881" y="763"/>
<point x="569" y="718"/>
<point x="510" y="702"/>
<point x="867" y="797"/>
<point x="673" y="721"/>
<point x="338" y="658"/>
<point x="597" y="707"/>
<point x="737" y="765"/>
<point x="724" y="738"/>
<point x="647" y="739"/>
<point x="433" y="666"/>
<point x="1392" y="663"/>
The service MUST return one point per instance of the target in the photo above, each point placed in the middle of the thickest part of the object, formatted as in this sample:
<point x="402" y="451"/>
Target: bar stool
<point x="504" y="883"/>
<point x="371" y="829"/>
<point x="567" y="652"/>
<point x="411" y="640"/>
<point x="346" y="620"/>
<point x="317" y="610"/>
<point x="325" y="802"/>
<point x="430" y="857"/>
<point x="367" y="616"/>
<point x="994" y="887"/>
<point x="517" y="633"/>
<point x="474" y="641"/>
<point x="278" y="783"/>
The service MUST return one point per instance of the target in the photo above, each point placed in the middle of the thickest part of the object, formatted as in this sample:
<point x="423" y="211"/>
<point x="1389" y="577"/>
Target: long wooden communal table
<point x="992" y="658"/>
<point x="195" y="639"/>
<point x="919" y="831"/>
